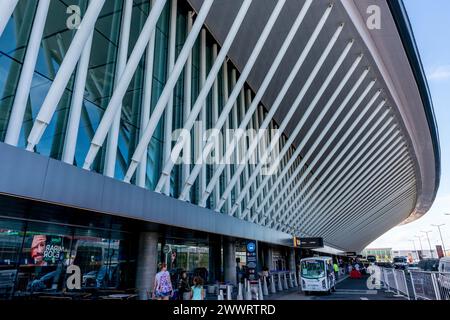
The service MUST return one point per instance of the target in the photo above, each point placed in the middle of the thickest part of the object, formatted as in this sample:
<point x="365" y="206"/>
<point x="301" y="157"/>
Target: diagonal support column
<point x="26" y="74"/>
<point x="65" y="71"/>
<point x="253" y="107"/>
<point x="318" y="140"/>
<point x="132" y="64"/>
<point x="143" y="143"/>
<point x="141" y="176"/>
<point x="113" y="135"/>
<point x="227" y="108"/>
<point x="291" y="112"/>
<point x="8" y="7"/>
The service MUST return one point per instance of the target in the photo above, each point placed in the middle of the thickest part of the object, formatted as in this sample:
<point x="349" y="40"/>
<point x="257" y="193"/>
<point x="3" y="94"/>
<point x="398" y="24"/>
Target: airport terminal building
<point x="137" y="132"/>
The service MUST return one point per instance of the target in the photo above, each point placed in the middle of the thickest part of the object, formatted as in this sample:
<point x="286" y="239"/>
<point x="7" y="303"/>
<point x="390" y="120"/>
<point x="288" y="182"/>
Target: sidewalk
<point x="346" y="289"/>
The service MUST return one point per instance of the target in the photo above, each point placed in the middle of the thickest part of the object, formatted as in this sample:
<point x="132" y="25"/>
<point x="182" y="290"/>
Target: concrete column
<point x="147" y="261"/>
<point x="291" y="259"/>
<point x="268" y="257"/>
<point x="215" y="258"/>
<point x="229" y="260"/>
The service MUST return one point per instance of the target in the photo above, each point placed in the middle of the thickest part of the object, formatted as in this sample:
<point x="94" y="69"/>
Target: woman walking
<point x="162" y="288"/>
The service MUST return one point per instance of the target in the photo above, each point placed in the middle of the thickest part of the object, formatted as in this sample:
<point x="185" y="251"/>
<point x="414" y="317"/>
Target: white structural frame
<point x="7" y="10"/>
<point x="168" y="112"/>
<point x="291" y="112"/>
<point x="368" y="165"/>
<point x="122" y="54"/>
<point x="233" y="95"/>
<point x="132" y="64"/>
<point x="65" y="71"/>
<point x="76" y="105"/>
<point x="341" y="125"/>
<point x="381" y="144"/>
<point x="311" y="130"/>
<point x="182" y="58"/>
<point x="254" y="141"/>
<point x="346" y="154"/>
<point x="26" y="74"/>
<point x="141" y="175"/>
<point x="378" y="174"/>
<point x="399" y="175"/>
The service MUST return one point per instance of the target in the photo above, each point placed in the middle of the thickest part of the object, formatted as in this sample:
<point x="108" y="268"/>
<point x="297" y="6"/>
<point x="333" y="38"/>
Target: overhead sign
<point x="310" y="243"/>
<point x="351" y="254"/>
<point x="252" y="259"/>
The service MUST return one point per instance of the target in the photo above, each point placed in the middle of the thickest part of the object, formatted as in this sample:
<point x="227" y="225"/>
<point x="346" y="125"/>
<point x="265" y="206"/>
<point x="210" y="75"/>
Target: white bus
<point x="317" y="275"/>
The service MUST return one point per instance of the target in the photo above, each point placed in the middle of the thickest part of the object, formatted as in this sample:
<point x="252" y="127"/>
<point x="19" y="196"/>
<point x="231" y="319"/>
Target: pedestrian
<point x="197" y="291"/>
<point x="162" y="288"/>
<point x="336" y="271"/>
<point x="184" y="289"/>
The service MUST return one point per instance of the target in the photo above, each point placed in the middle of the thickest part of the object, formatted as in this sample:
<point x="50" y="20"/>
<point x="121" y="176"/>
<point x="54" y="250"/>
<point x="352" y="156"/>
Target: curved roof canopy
<point x="368" y="142"/>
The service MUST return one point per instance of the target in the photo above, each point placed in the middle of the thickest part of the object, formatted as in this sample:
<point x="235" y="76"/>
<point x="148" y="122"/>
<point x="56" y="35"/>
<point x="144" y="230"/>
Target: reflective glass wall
<point x="34" y="258"/>
<point x="100" y="82"/>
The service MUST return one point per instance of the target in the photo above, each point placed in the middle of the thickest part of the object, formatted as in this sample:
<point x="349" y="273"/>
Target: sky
<point x="430" y="20"/>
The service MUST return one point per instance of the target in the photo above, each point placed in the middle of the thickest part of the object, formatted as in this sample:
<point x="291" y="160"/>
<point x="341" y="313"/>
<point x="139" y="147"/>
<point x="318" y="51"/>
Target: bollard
<point x="295" y="280"/>
<point x="280" y="286"/>
<point x="265" y="289"/>
<point x="260" y="291"/>
<point x="229" y="290"/>
<point x="248" y="293"/>
<point x="239" y="296"/>
<point x="285" y="285"/>
<point x="272" y="285"/>
<point x="290" y="283"/>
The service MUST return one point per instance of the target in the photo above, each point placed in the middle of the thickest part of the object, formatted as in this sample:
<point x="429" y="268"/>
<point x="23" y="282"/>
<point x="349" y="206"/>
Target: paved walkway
<point x="346" y="289"/>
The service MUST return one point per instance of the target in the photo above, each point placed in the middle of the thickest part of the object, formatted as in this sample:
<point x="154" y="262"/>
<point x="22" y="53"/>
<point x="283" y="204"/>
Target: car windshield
<point x="313" y="269"/>
<point x="399" y="260"/>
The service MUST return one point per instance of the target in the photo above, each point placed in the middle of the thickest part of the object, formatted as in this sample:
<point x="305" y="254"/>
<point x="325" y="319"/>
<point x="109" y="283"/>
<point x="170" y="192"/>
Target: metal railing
<point x="416" y="284"/>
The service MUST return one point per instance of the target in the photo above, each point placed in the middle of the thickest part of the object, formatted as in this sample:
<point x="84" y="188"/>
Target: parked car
<point x="429" y="264"/>
<point x="400" y="263"/>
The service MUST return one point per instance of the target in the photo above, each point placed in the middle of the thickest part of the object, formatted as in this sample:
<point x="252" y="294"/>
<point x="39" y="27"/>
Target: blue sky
<point x="430" y="20"/>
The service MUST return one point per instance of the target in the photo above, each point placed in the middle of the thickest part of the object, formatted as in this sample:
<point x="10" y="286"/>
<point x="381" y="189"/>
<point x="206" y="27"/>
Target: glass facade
<point x="34" y="257"/>
<point x="100" y="84"/>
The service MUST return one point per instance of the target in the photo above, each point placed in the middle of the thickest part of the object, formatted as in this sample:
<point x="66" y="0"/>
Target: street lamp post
<point x="440" y="234"/>
<point x="421" y="247"/>
<point x="429" y="243"/>
<point x="414" y="244"/>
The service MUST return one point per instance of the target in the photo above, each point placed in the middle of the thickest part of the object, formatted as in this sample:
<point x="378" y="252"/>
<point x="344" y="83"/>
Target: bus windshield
<point x="313" y="269"/>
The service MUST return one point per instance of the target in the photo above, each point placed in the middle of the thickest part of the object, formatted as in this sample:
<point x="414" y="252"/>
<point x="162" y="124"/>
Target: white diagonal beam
<point x="122" y="54"/>
<point x="263" y="88"/>
<point x="337" y="130"/>
<point x="310" y="132"/>
<point x="26" y="74"/>
<point x="347" y="153"/>
<point x="146" y="104"/>
<point x="65" y="71"/>
<point x="294" y="108"/>
<point x="143" y="143"/>
<point x="8" y="7"/>
<point x="132" y="64"/>
<point x="375" y="162"/>
<point x="232" y="98"/>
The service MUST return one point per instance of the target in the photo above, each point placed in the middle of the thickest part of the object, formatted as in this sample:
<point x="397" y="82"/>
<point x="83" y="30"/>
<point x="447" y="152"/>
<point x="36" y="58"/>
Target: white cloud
<point x="439" y="73"/>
